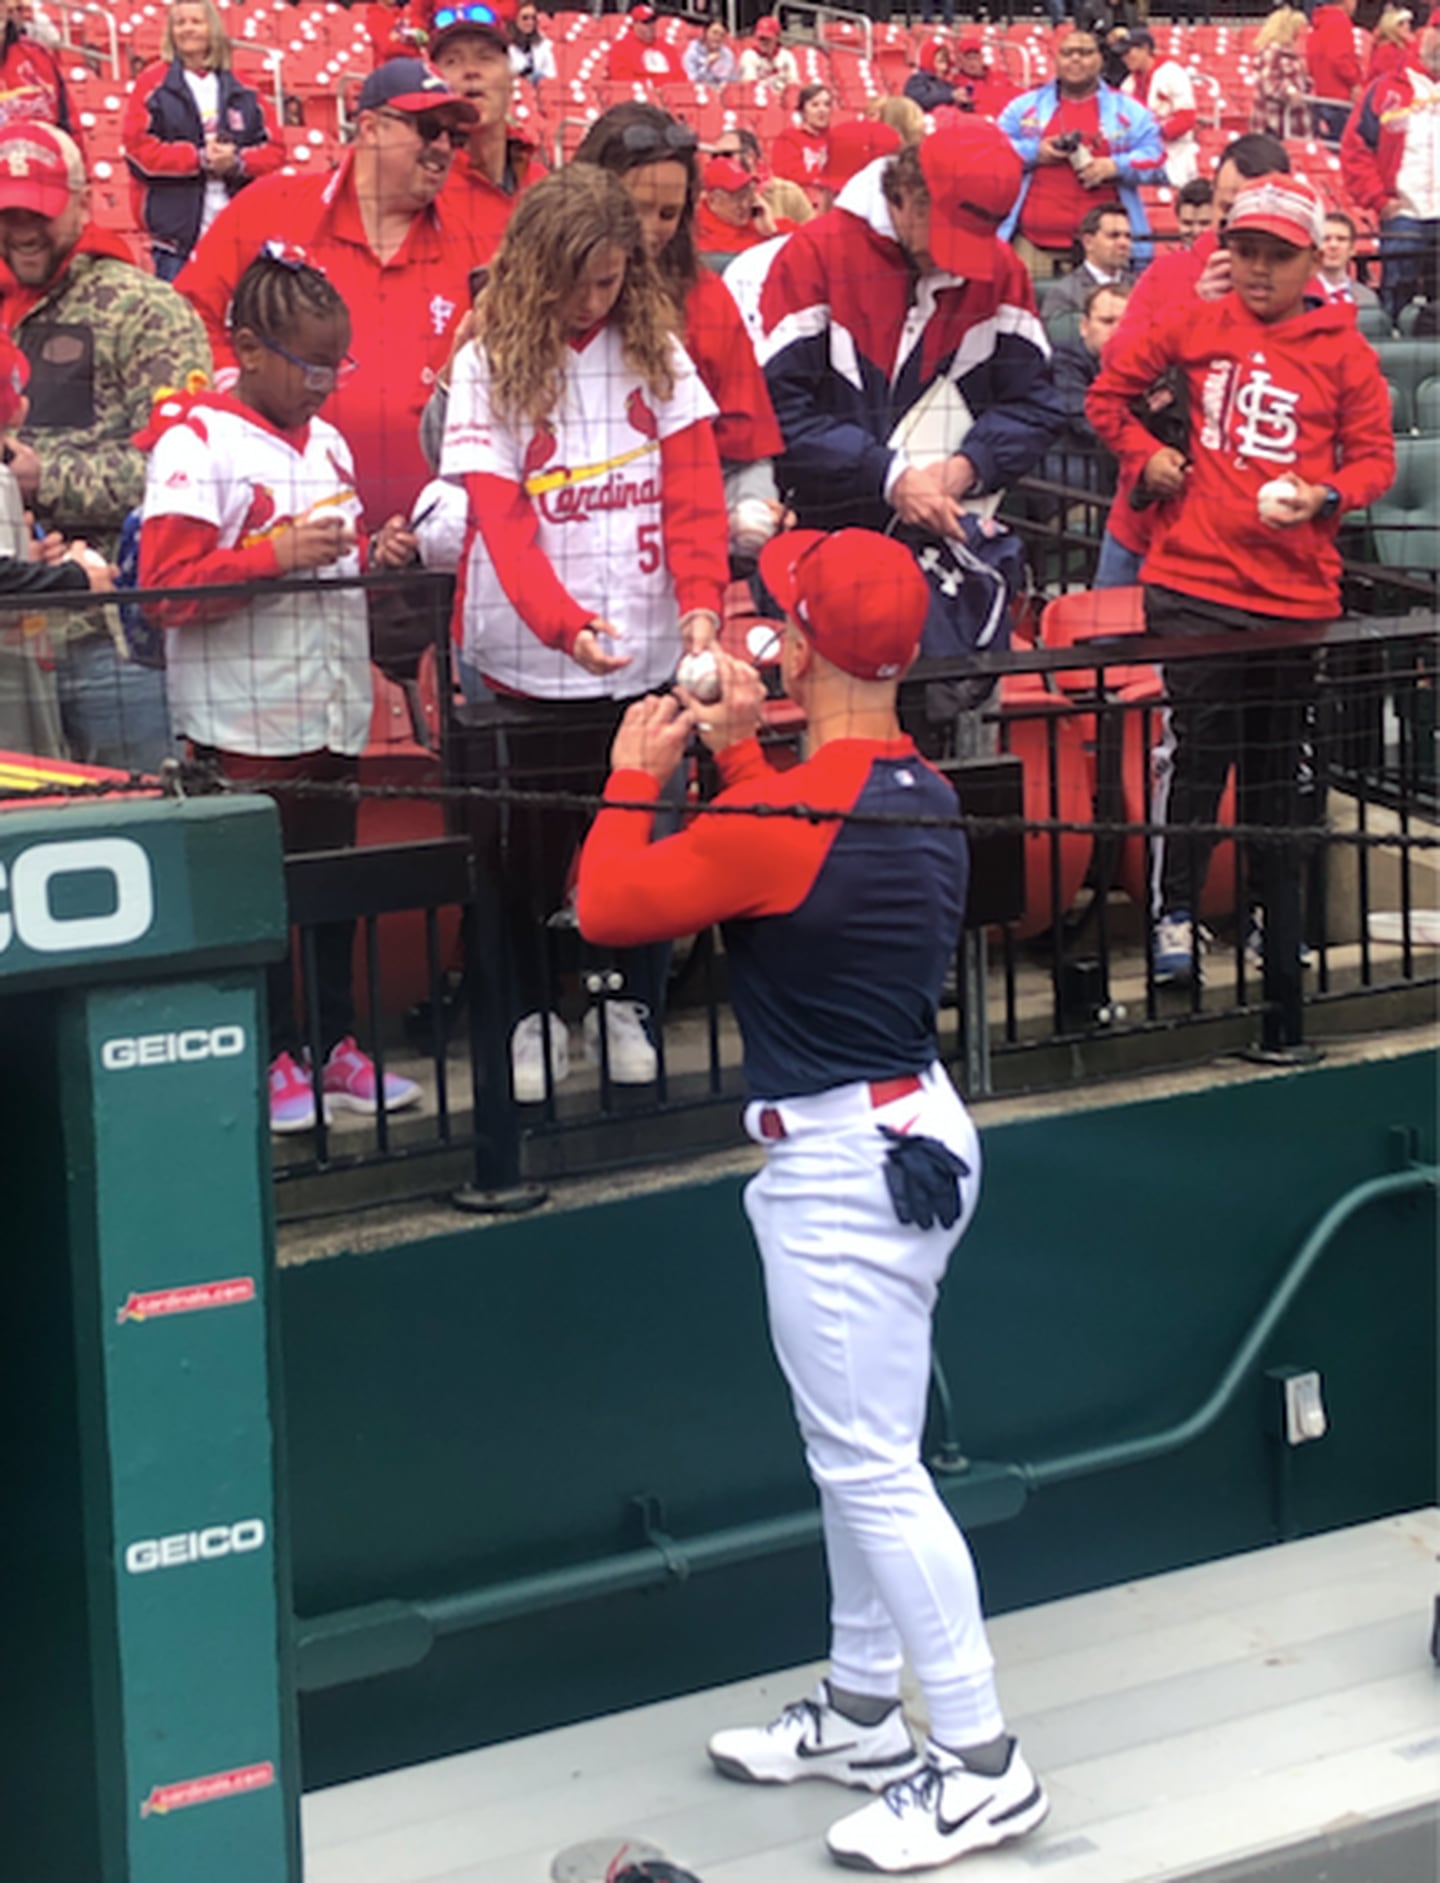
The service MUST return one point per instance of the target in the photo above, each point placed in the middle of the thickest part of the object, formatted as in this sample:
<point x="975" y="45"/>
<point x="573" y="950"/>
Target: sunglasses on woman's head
<point x="642" y="137"/>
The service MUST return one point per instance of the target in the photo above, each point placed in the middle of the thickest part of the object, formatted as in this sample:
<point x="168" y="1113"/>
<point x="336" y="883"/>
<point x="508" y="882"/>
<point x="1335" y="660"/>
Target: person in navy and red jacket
<point x="194" y="135"/>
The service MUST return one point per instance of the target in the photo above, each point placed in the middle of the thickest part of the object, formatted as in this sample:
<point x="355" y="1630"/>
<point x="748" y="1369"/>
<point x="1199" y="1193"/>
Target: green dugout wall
<point x="512" y="1416"/>
<point x="146" y="1688"/>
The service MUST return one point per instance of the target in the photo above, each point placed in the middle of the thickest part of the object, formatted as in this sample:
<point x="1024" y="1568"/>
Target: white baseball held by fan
<point x="699" y="674"/>
<point x="1274" y="500"/>
<point x="753" y="522"/>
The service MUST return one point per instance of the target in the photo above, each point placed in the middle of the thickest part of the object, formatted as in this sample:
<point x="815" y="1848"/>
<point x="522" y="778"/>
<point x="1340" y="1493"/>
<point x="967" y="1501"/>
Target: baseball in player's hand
<point x="589" y="650"/>
<point x="652" y="736"/>
<point x="313" y="542"/>
<point x="736" y="714"/>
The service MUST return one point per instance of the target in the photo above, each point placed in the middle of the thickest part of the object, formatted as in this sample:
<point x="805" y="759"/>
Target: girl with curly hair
<point x="655" y="158"/>
<point x="596" y="558"/>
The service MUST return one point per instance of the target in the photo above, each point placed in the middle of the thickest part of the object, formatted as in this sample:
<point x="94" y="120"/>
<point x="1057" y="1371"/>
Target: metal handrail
<point x="388" y="1636"/>
<point x="112" y="31"/>
<point x="820" y="14"/>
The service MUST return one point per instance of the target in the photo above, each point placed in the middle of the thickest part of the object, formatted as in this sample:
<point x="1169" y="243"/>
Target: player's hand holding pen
<point x="395" y="544"/>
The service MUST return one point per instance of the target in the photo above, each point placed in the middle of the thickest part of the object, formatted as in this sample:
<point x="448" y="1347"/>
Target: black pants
<point x="306" y="823"/>
<point x="525" y="853"/>
<point x="1249" y="711"/>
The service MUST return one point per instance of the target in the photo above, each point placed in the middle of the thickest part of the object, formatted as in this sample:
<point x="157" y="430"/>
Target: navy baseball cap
<point x="857" y="596"/>
<point x="412" y="85"/>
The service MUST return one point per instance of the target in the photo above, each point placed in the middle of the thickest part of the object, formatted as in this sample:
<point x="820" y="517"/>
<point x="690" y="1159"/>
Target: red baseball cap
<point x="14" y="377"/>
<point x="642" y="14"/>
<point x="857" y="596"/>
<point x="767" y="27"/>
<point x="970" y="42"/>
<point x="1278" y="205"/>
<point x="724" y="173"/>
<point x="851" y="146"/>
<point x="973" y="175"/>
<point x="412" y="85"/>
<point x="40" y="167"/>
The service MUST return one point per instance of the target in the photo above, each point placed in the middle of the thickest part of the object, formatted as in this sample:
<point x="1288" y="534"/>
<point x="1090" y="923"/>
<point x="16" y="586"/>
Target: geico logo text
<point x="26" y="881"/>
<point x="196" y="1546"/>
<point x="171" y="1049"/>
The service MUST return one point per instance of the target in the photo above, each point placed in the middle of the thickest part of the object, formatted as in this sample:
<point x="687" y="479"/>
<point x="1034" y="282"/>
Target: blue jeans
<point x="1118" y="566"/>
<point x="1407" y="257"/>
<point x="113" y="711"/>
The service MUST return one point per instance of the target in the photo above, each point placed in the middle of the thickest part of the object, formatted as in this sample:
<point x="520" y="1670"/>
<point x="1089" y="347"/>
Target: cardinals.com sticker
<point x="164" y="1799"/>
<point x="191" y="1300"/>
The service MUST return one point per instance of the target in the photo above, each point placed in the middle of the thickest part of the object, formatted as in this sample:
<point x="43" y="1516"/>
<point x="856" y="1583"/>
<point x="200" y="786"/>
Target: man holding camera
<point x="1083" y="146"/>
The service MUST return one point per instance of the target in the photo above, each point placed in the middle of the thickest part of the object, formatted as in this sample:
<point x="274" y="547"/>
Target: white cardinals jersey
<point x="285" y="674"/>
<point x="591" y="472"/>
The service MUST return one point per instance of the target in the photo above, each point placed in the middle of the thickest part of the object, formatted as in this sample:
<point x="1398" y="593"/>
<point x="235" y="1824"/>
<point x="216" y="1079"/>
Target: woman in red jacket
<point x="802" y="154"/>
<point x="31" y="84"/>
<point x="194" y="135"/>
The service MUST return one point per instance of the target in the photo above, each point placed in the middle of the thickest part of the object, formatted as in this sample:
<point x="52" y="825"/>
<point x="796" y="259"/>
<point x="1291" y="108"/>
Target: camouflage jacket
<point x="102" y="340"/>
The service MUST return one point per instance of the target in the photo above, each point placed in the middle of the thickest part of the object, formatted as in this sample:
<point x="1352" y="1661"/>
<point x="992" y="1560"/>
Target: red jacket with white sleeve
<point x="1304" y="395"/>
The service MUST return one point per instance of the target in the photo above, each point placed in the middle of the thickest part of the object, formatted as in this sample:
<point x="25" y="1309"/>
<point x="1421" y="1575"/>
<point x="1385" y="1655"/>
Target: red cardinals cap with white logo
<point x="40" y="168"/>
<point x="412" y="85"/>
<point x="851" y="146"/>
<point x="724" y="173"/>
<point x="767" y="27"/>
<point x="1282" y="206"/>
<point x="857" y="596"/>
<point x="973" y="175"/>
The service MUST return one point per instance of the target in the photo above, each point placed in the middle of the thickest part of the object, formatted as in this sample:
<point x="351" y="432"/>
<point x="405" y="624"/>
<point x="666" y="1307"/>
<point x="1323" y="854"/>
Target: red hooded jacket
<point x="1266" y="397"/>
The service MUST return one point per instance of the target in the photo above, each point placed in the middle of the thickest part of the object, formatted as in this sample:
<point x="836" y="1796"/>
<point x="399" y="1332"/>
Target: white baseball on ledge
<point x="1273" y="500"/>
<point x="699" y="674"/>
<point x="752" y="523"/>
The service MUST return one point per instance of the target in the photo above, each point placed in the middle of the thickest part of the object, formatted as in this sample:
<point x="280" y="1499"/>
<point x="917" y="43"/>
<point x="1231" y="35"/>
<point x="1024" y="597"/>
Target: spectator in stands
<point x="1195" y="209"/>
<point x="194" y="135"/>
<point x="710" y="59"/>
<point x="639" y="57"/>
<point x="1280" y="393"/>
<point x="906" y="279"/>
<point x="765" y="61"/>
<point x="1105" y="250"/>
<point x="928" y="10"/>
<point x="29" y="703"/>
<point x="1200" y="271"/>
<point x="1391" y="163"/>
<point x="902" y="115"/>
<point x="800" y="152"/>
<point x="852" y="148"/>
<point x="1282" y="81"/>
<point x="979" y="86"/>
<point x="1077" y="457"/>
<point x="1081" y="144"/>
<point x="251" y="486"/>
<point x="102" y="337"/>
<point x="32" y="86"/>
<point x="1391" y="42"/>
<point x="532" y="56"/>
<point x="497" y="162"/>
<point x="1335" y="73"/>
<point x="378" y="228"/>
<point x="655" y="158"/>
<point x="1163" y="85"/>
<point x="398" y="29"/>
<point x="730" y="216"/>
<point x="576" y="405"/>
<point x="931" y="84"/>
<point x="1337" y="254"/>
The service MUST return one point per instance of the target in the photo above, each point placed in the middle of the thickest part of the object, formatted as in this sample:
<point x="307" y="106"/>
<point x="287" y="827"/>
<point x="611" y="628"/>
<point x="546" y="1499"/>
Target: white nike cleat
<point x="811" y="1739"/>
<point x="945" y="1811"/>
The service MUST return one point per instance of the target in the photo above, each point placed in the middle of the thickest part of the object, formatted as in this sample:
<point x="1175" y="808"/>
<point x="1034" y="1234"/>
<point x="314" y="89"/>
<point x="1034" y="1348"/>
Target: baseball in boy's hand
<point x="1275" y="501"/>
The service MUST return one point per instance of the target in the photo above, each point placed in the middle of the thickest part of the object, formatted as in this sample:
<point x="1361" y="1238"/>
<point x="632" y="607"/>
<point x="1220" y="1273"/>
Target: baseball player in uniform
<point x="838" y="934"/>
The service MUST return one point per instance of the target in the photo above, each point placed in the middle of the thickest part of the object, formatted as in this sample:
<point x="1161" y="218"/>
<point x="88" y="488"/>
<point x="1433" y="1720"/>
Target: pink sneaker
<point x="292" y="1099"/>
<point x="349" y="1081"/>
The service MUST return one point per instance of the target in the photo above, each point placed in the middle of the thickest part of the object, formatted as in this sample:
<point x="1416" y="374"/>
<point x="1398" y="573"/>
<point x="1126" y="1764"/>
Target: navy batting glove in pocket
<point x="923" y="1176"/>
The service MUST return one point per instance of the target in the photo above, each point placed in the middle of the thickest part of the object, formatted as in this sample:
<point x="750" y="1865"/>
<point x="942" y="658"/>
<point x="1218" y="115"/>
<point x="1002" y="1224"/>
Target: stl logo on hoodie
<point x="1241" y="403"/>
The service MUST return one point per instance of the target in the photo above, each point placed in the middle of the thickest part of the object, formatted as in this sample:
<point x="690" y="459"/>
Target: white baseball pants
<point x="851" y="1295"/>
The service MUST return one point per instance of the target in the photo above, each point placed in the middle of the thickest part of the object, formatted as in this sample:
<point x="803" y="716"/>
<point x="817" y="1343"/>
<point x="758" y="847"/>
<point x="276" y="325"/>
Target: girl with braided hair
<point x="253" y="486"/>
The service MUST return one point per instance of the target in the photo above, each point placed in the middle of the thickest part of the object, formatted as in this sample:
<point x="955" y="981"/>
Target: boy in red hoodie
<point x="1289" y="429"/>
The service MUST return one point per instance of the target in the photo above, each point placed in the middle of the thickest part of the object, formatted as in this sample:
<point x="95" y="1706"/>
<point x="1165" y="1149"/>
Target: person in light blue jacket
<point x="1081" y="144"/>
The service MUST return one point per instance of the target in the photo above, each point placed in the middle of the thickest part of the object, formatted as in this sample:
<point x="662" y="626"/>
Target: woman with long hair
<point x="1391" y="42"/>
<point x="1282" y="81"/>
<point x="194" y="135"/>
<point x="595" y="560"/>
<point x="802" y="152"/>
<point x="655" y="159"/>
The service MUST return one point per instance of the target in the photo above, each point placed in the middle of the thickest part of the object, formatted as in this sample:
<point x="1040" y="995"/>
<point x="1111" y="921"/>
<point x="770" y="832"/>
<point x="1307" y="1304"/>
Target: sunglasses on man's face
<point x="430" y="128"/>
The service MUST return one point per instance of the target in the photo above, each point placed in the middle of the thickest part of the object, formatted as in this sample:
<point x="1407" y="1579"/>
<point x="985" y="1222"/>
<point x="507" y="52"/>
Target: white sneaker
<point x="812" y="1740"/>
<point x="527" y="1057"/>
<point x="943" y="1812"/>
<point x="632" y="1057"/>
